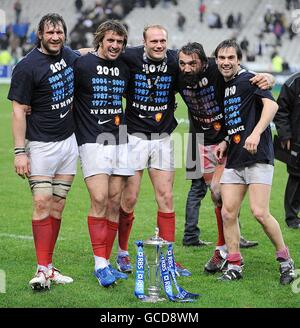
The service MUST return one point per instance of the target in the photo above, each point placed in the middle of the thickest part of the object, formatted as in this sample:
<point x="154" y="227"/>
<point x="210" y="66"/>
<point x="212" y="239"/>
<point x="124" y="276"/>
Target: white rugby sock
<point x="222" y="248"/>
<point x="42" y="268"/>
<point x="100" y="262"/>
<point x="122" y="252"/>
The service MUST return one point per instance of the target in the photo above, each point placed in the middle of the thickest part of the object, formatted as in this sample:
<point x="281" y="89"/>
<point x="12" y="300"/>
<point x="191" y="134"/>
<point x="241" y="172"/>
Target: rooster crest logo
<point x="236" y="138"/>
<point x="158" y="117"/>
<point x="117" y="120"/>
<point x="217" y="126"/>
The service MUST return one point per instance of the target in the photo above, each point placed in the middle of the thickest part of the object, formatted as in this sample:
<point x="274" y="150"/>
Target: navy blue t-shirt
<point x="151" y="93"/>
<point x="99" y="87"/>
<point x="46" y="83"/>
<point x="204" y="102"/>
<point x="242" y="109"/>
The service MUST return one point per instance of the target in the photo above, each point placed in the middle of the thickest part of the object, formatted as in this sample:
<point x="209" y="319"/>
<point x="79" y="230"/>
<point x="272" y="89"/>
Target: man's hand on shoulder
<point x="84" y="51"/>
<point x="264" y="81"/>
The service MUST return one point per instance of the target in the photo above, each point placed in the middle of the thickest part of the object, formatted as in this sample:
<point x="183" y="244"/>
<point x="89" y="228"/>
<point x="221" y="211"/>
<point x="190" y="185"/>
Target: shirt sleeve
<point x="21" y="86"/>
<point x="264" y="94"/>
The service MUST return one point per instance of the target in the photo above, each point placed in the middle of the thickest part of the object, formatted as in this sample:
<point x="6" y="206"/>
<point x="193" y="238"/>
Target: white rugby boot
<point x="40" y="281"/>
<point x="59" y="279"/>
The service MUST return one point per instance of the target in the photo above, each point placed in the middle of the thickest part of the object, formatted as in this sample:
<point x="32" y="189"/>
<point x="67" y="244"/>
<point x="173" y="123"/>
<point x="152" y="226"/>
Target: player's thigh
<point x="42" y="195"/>
<point x="162" y="181"/>
<point x="64" y="177"/>
<point x="259" y="177"/>
<point x="97" y="186"/>
<point x="41" y="188"/>
<point x="61" y="186"/>
<point x="116" y="185"/>
<point x="133" y="183"/>
<point x="232" y="197"/>
<point x="259" y="197"/>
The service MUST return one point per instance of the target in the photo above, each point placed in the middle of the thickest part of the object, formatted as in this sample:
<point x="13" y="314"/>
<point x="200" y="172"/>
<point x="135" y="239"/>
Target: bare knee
<point x="165" y="200"/>
<point x="260" y="214"/>
<point x="215" y="190"/>
<point x="57" y="207"/>
<point x="113" y="206"/>
<point x="129" y="200"/>
<point x="228" y="216"/>
<point x="99" y="202"/>
<point x="42" y="205"/>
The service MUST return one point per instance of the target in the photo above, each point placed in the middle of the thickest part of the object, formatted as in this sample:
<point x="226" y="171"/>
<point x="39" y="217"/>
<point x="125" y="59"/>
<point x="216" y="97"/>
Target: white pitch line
<point x="9" y="235"/>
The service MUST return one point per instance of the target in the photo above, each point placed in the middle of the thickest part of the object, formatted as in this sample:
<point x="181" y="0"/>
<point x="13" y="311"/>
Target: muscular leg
<point x="97" y="186"/>
<point x="216" y="197"/>
<point x="162" y="182"/>
<point x="61" y="186"/>
<point x="41" y="222"/>
<point x="115" y="188"/>
<point x="126" y="216"/>
<point x="105" y="193"/>
<point x="218" y="260"/>
<point x="232" y="197"/>
<point x="259" y="195"/>
<point x="213" y="180"/>
<point x="215" y="185"/>
<point x="131" y="192"/>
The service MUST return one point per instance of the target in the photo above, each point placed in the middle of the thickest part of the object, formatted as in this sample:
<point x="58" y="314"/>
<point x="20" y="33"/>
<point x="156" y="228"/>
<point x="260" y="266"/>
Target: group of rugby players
<point x="69" y="102"/>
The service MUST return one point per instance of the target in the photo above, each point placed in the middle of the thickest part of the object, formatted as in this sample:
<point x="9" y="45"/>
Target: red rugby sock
<point x="55" y="231"/>
<point x="98" y="234"/>
<point x="166" y="225"/>
<point x="234" y="259"/>
<point x="221" y="239"/>
<point x="125" y="225"/>
<point x="112" y="228"/>
<point x="42" y="235"/>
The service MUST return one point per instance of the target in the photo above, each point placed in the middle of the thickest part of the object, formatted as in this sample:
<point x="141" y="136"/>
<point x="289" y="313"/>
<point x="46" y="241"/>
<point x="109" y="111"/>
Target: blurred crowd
<point x="20" y="36"/>
<point x="274" y="26"/>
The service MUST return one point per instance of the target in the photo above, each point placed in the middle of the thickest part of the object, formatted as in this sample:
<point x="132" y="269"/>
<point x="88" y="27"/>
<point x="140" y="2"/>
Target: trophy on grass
<point x="151" y="251"/>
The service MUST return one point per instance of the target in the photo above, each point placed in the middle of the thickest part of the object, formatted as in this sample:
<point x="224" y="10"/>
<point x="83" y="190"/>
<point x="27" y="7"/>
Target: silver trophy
<point x="152" y="250"/>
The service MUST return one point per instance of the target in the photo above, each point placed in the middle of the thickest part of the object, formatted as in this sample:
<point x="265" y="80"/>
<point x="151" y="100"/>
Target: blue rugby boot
<point x="105" y="277"/>
<point x="117" y="274"/>
<point x="123" y="263"/>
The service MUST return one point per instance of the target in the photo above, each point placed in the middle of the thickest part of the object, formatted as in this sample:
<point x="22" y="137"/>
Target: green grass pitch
<point x="259" y="288"/>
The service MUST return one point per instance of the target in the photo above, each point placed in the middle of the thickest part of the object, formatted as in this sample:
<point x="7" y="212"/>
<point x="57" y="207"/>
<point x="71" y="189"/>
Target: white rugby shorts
<point x="51" y="158"/>
<point x="157" y="154"/>
<point x="97" y="158"/>
<point x="258" y="173"/>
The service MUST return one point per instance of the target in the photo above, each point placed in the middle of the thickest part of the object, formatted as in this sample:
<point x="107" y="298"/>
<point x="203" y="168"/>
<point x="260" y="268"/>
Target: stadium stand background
<point x="220" y="14"/>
